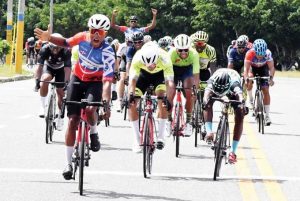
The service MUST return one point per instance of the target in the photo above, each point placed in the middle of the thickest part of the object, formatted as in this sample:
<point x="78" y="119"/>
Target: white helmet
<point x="200" y="36"/>
<point x="245" y="37"/>
<point x="149" y="53"/>
<point x="30" y="39"/>
<point x="169" y="39"/>
<point x="147" y="38"/>
<point x="182" y="41"/>
<point x="99" y="21"/>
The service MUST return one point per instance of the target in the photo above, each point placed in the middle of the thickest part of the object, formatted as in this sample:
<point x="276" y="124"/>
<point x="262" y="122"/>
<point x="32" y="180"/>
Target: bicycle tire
<point x="140" y="112"/>
<point x="220" y="137"/>
<point x="256" y="110"/>
<point x="125" y="108"/>
<point x="53" y="116"/>
<point x="146" y="136"/>
<point x="82" y="157"/>
<point x="150" y="146"/>
<point x="177" y="133"/>
<point x="49" y="124"/>
<point x="261" y="113"/>
<point x="196" y="121"/>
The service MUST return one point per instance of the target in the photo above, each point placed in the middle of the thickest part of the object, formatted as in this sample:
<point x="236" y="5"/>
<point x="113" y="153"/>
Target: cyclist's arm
<point x="196" y="69"/>
<point x="230" y="59"/>
<point x="271" y="68"/>
<point x="117" y="64"/>
<point x="106" y="93"/>
<point x="153" y="23"/>
<point x="60" y="41"/>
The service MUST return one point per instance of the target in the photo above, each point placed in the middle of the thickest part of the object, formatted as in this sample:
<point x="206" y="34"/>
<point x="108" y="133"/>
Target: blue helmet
<point x="260" y="47"/>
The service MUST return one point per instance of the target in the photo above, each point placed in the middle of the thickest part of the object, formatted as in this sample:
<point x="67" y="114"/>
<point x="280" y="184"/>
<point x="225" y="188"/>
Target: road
<point x="267" y="168"/>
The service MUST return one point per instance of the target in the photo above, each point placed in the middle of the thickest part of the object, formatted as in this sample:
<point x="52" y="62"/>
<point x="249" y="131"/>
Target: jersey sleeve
<point x="196" y="64"/>
<point x="211" y="53"/>
<point x="123" y="28"/>
<point x="230" y="57"/>
<point x="67" y="61"/>
<point x="108" y="57"/>
<point x="42" y="56"/>
<point x="75" y="40"/>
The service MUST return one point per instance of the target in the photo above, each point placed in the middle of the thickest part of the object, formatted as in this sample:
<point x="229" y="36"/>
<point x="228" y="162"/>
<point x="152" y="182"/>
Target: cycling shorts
<point x="58" y="74"/>
<point x="182" y="73"/>
<point x="262" y="72"/>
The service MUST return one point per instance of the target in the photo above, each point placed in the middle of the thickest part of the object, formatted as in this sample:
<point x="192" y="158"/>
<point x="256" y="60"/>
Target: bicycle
<point x="178" y="123"/>
<point x="125" y="103"/>
<point x="222" y="140"/>
<point x="51" y="114"/>
<point x="148" y="130"/>
<point x="258" y="110"/>
<point x="197" y="116"/>
<point x="81" y="155"/>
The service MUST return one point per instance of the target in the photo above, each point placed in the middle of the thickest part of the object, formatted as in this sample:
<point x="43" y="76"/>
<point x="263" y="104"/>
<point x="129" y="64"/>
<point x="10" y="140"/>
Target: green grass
<point x="7" y="71"/>
<point x="295" y="74"/>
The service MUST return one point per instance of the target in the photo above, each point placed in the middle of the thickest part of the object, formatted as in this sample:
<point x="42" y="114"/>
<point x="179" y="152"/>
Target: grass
<point x="7" y="71"/>
<point x="294" y="74"/>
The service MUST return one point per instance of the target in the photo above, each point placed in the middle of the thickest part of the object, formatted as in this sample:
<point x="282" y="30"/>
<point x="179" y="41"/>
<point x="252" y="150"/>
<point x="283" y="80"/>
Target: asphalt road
<point x="267" y="168"/>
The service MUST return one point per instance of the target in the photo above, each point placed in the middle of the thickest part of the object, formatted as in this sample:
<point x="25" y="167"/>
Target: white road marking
<point x="2" y="126"/>
<point x="138" y="174"/>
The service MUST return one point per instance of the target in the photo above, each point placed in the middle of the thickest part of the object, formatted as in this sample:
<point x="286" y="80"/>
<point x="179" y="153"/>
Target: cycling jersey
<point x="192" y="59"/>
<point x="130" y="53"/>
<point x="207" y="55"/>
<point x="54" y="61"/>
<point x="235" y="82"/>
<point x="237" y="59"/>
<point x="130" y="30"/>
<point x="94" y="64"/>
<point x="254" y="61"/>
<point x="163" y="64"/>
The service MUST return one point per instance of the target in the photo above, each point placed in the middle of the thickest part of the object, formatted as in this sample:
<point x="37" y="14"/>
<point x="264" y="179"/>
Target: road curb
<point x="15" y="78"/>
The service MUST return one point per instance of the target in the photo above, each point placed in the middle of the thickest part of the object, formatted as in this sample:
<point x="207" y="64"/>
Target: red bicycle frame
<point x="148" y="110"/>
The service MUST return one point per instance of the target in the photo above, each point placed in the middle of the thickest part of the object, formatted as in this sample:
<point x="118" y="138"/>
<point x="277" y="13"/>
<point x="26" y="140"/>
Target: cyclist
<point x="94" y="74"/>
<point x="170" y="41"/>
<point x="150" y="66"/>
<point x="259" y="62"/>
<point x="115" y="46"/>
<point x="37" y="48"/>
<point x="133" y="20"/>
<point x="232" y="44"/>
<point x="164" y="44"/>
<point x="29" y="48"/>
<point x="147" y="38"/>
<point x="245" y="37"/>
<point x="207" y="54"/>
<point x="52" y="60"/>
<point x="120" y="67"/>
<point x="225" y="82"/>
<point x="186" y="68"/>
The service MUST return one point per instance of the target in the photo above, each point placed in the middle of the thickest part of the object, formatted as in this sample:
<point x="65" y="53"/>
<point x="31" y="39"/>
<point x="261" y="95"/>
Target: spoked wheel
<point x="82" y="148"/>
<point x="219" y="146"/>
<point x="147" y="153"/>
<point x="177" y="131"/>
<point x="49" y="121"/>
<point x="196" y="121"/>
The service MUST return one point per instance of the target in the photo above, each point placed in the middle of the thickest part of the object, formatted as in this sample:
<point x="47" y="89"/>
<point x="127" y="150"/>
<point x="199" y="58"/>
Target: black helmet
<point x="241" y="42"/>
<point x="133" y="18"/>
<point x="137" y="36"/>
<point x="221" y="83"/>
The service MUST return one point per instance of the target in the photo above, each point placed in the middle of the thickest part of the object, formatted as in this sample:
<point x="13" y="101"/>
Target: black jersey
<point x="60" y="60"/>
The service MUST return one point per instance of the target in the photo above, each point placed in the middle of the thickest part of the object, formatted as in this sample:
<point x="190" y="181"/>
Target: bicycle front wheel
<point x="261" y="114"/>
<point x="82" y="147"/>
<point x="49" y="121"/>
<point x="196" y="118"/>
<point x="177" y="129"/>
<point x="219" y="147"/>
<point x="147" y="158"/>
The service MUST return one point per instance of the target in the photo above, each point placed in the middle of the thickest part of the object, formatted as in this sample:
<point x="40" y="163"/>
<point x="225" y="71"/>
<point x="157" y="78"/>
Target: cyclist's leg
<point x="47" y="76"/>
<point x="94" y="94"/>
<point x="121" y="84"/>
<point x="249" y="87"/>
<point x="208" y="116"/>
<point x="67" y="73"/>
<point x="59" y="75"/>
<point x="266" y="93"/>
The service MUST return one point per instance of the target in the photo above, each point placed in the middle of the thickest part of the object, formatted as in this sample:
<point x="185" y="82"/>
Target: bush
<point x="4" y="47"/>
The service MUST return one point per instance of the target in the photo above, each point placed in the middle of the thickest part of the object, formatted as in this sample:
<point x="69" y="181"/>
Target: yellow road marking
<point x="272" y="187"/>
<point x="247" y="188"/>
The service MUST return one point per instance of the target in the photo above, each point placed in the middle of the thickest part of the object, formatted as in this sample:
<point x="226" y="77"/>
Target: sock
<point x="234" y="146"/>
<point x="113" y="87"/>
<point x="208" y="127"/>
<point x="93" y="129"/>
<point x="267" y="110"/>
<point x="69" y="153"/>
<point x="249" y="93"/>
<point x="43" y="101"/>
<point x="136" y="131"/>
<point x="188" y="117"/>
<point x="161" y="128"/>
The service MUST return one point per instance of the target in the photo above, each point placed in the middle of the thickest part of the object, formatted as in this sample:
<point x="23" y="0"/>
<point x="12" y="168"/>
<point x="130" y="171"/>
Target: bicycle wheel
<point x="219" y="146"/>
<point x="49" y="120"/>
<point x="256" y="110"/>
<point x="53" y="117"/>
<point x="146" y="145"/>
<point x="81" y="155"/>
<point x="197" y="125"/>
<point x="177" y="131"/>
<point x="261" y="113"/>
<point x="125" y="108"/>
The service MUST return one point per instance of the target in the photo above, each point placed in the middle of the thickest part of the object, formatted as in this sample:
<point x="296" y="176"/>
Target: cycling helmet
<point x="128" y="38"/>
<point x="169" y="39"/>
<point x="133" y="18"/>
<point x="137" y="36"/>
<point x="260" y="47"/>
<point x="200" y="36"/>
<point x="149" y="53"/>
<point x="221" y="83"/>
<point x="245" y="37"/>
<point x="163" y="43"/>
<point x="233" y="42"/>
<point x="30" y="39"/>
<point x="109" y="39"/>
<point x="99" y="21"/>
<point x="52" y="45"/>
<point x="182" y="41"/>
<point x="147" y="38"/>
<point x="241" y="42"/>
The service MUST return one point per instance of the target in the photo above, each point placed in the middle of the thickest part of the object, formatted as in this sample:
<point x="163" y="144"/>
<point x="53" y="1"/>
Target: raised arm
<point x="113" y="19"/>
<point x="153" y="23"/>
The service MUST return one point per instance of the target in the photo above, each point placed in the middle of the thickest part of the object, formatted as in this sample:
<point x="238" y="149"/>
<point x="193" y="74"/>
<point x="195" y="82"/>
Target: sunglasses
<point x="138" y="42"/>
<point x="183" y="50"/>
<point x="100" y="32"/>
<point x="133" y="21"/>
